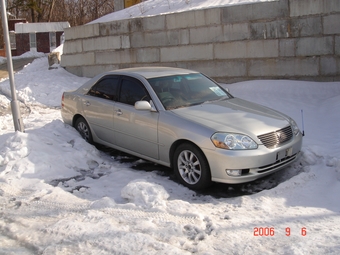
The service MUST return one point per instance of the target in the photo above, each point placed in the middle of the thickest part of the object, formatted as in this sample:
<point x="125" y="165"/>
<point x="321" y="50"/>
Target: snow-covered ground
<point x="60" y="195"/>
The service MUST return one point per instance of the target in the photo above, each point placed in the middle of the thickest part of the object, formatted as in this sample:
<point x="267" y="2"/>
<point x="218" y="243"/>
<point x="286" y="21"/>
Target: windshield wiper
<point x="216" y="100"/>
<point x="198" y="103"/>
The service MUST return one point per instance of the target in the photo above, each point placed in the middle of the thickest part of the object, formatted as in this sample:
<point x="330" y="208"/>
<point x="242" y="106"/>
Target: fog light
<point x="234" y="172"/>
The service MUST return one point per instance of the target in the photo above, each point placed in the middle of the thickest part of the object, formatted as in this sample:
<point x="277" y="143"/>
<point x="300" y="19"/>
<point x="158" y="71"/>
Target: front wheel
<point x="191" y="167"/>
<point x="84" y="129"/>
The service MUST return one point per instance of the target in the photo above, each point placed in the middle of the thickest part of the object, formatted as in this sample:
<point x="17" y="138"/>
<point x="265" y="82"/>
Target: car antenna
<point x="303" y="125"/>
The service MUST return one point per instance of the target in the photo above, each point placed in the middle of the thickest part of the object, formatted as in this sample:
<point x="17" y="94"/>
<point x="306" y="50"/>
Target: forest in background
<point x="76" y="12"/>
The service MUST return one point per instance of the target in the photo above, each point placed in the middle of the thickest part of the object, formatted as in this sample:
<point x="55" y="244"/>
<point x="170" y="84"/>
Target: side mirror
<point x="143" y="106"/>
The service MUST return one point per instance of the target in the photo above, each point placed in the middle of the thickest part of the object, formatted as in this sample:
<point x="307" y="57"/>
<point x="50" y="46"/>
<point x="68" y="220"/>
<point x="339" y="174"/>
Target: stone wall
<point x="285" y="39"/>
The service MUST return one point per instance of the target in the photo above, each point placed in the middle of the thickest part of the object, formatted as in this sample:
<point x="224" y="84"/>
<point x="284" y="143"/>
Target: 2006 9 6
<point x="270" y="231"/>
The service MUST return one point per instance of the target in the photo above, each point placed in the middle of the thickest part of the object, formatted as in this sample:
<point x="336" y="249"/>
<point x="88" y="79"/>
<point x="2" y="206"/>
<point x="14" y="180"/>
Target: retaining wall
<point x="286" y="39"/>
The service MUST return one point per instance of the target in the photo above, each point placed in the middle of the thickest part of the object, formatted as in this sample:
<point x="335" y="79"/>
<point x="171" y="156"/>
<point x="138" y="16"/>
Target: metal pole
<point x="18" y="124"/>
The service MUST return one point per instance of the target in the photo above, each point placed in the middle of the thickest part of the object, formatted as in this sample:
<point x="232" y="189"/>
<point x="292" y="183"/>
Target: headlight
<point x="294" y="126"/>
<point x="231" y="141"/>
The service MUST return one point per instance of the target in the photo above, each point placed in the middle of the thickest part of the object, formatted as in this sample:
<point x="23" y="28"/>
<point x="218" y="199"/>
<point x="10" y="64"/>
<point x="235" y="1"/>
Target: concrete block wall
<point x="284" y="39"/>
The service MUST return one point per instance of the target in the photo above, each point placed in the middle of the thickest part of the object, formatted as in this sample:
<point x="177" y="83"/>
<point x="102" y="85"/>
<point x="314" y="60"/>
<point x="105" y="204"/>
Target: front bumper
<point x="253" y="163"/>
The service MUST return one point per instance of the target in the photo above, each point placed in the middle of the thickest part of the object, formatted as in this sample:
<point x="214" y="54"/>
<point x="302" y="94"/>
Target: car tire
<point x="191" y="167"/>
<point x="84" y="129"/>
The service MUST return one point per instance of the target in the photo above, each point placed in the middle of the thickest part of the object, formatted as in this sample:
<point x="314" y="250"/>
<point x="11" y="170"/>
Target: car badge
<point x="279" y="137"/>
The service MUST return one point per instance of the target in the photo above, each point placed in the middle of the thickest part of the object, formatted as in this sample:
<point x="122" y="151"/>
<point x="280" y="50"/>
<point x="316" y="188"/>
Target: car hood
<point x="235" y="115"/>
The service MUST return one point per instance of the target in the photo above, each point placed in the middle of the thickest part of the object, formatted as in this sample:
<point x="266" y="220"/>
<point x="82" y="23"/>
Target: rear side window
<point x="105" y="88"/>
<point x="132" y="91"/>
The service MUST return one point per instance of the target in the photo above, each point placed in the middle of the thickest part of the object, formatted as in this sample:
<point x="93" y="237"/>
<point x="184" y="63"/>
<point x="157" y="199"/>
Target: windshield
<point x="186" y="90"/>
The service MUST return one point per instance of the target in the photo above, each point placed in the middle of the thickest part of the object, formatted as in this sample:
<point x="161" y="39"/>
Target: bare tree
<point x="76" y="12"/>
<point x="50" y="11"/>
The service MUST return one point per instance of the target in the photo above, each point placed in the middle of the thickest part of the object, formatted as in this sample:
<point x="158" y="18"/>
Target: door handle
<point x="119" y="112"/>
<point x="87" y="103"/>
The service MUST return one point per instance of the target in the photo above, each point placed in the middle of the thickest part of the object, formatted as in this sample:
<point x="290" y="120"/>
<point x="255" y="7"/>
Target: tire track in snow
<point x="24" y="199"/>
<point x="160" y="216"/>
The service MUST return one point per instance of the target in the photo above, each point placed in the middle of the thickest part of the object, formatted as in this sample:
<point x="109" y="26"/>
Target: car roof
<point x="152" y="72"/>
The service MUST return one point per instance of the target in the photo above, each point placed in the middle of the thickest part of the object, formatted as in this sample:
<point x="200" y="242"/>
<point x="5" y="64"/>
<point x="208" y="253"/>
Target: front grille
<point x="276" y="138"/>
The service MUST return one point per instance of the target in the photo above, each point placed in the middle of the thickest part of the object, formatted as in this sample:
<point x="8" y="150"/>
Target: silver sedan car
<point x="184" y="120"/>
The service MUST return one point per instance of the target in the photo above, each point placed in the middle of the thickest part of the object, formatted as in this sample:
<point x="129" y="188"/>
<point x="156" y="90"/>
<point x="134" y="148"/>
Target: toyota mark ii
<point x="184" y="120"/>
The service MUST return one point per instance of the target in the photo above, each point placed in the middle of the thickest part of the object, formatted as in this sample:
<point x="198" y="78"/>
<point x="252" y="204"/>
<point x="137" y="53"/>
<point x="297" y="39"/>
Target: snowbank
<point x="159" y="7"/>
<point x="60" y="195"/>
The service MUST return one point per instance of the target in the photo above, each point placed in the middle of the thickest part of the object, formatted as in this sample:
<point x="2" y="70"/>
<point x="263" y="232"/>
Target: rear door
<point x="98" y="106"/>
<point x="135" y="130"/>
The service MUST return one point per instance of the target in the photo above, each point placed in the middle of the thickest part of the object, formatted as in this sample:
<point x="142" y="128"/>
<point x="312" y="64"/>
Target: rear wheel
<point x="84" y="129"/>
<point x="191" y="167"/>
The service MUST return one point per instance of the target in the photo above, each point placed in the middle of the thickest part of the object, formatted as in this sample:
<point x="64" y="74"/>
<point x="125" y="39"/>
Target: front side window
<point x="105" y="88"/>
<point x="132" y="91"/>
